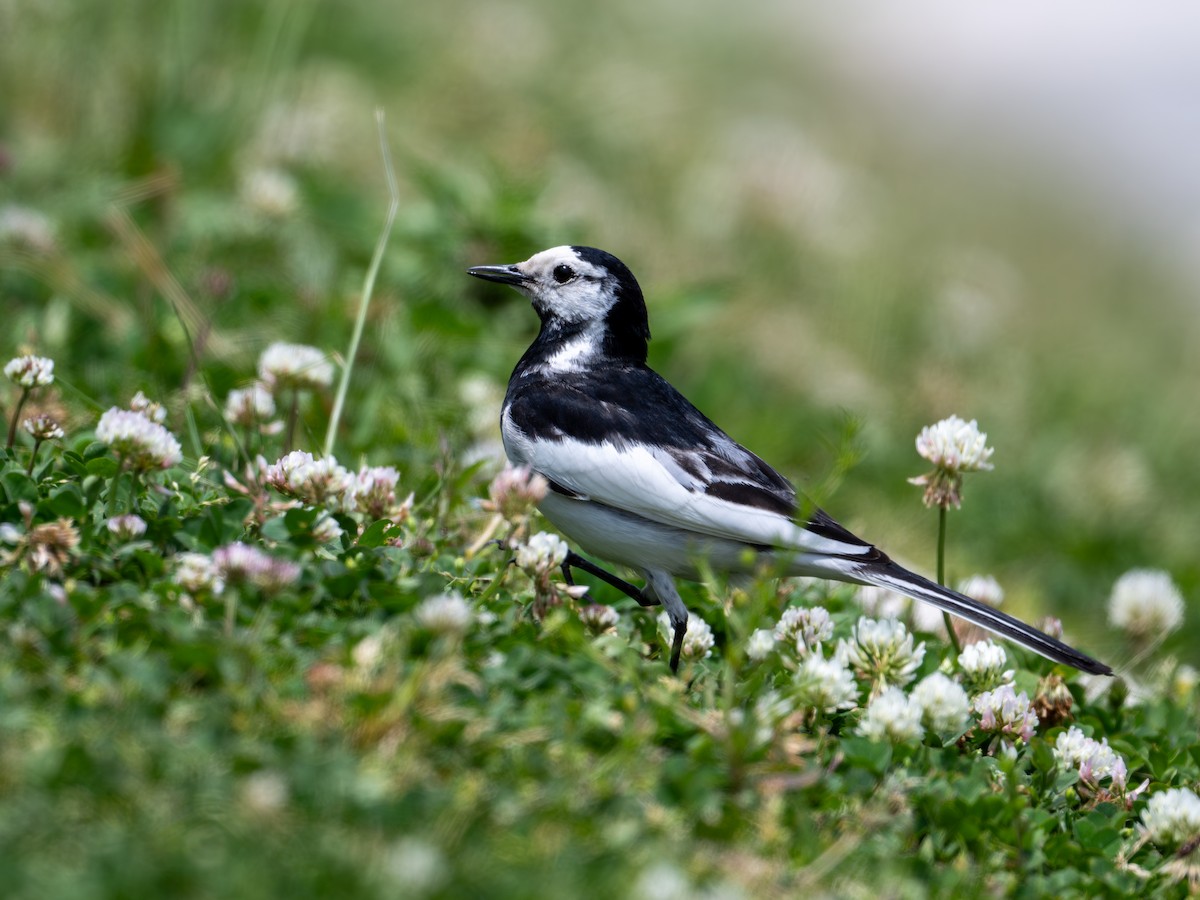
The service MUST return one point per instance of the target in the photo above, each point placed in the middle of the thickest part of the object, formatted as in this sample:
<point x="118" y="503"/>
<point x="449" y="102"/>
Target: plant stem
<point x="12" y="428"/>
<point x="293" y="414"/>
<point x="368" y="288"/>
<point x="37" y="445"/>
<point x="941" y="576"/>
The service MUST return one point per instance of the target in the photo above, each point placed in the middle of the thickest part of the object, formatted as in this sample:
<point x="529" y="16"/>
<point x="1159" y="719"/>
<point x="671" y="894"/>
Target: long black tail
<point x="897" y="578"/>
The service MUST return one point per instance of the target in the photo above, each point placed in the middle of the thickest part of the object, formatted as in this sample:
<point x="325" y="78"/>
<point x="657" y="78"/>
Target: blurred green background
<point x="818" y="284"/>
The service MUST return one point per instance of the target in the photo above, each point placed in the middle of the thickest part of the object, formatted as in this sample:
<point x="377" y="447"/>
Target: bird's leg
<point x="574" y="560"/>
<point x="662" y="585"/>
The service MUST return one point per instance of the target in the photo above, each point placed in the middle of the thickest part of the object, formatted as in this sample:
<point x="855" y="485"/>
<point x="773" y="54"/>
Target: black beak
<point x="502" y="274"/>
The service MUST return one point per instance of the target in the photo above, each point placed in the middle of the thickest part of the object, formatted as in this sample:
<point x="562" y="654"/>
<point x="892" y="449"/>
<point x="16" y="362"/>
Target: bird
<point x="639" y="477"/>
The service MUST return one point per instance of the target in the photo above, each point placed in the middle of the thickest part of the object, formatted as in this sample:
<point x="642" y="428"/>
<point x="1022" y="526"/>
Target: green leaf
<point x="19" y="486"/>
<point x="67" y="501"/>
<point x="873" y="756"/>
<point x="103" y="466"/>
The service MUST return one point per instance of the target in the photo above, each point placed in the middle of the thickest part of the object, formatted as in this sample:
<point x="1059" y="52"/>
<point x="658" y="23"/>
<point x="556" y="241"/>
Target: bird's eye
<point x="563" y="274"/>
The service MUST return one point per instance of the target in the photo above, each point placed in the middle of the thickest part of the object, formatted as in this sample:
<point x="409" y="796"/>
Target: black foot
<point x="574" y="560"/>
<point x="677" y="646"/>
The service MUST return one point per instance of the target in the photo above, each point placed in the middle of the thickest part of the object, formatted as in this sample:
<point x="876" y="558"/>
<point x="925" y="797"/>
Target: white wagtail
<point x="640" y="477"/>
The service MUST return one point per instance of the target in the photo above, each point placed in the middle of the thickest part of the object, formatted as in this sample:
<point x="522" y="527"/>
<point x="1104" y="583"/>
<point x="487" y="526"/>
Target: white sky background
<point x="1103" y="94"/>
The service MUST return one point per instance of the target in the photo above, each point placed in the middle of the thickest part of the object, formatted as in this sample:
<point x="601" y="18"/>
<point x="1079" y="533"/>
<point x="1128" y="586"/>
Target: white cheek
<point x="579" y="303"/>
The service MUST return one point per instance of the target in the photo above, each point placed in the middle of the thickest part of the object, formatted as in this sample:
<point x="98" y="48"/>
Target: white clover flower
<point x="313" y="481"/>
<point x="296" y="366"/>
<point x="27" y="227"/>
<point x="30" y="371"/>
<point x="1094" y="759"/>
<point x="806" y="627"/>
<point x="373" y="491"/>
<point x="516" y="490"/>
<point x="483" y="399"/>
<point x="893" y="717"/>
<point x="197" y="573"/>
<point x="663" y="881"/>
<point x="761" y="643"/>
<point x="598" y="618"/>
<point x="882" y="651"/>
<point x="954" y="447"/>
<point x="151" y="409"/>
<point x="1145" y="603"/>
<point x="1183" y="682"/>
<point x="127" y="527"/>
<point x="944" y="705"/>
<point x="444" y="614"/>
<point x="138" y="442"/>
<point x="882" y="603"/>
<point x="1005" y="712"/>
<point x="983" y="588"/>
<point x="368" y="652"/>
<point x="825" y="685"/>
<point x="239" y="562"/>
<point x="270" y="192"/>
<point x="1171" y="817"/>
<point x="698" y="639"/>
<point x="542" y="553"/>
<point x="983" y="666"/>
<point x="326" y="529"/>
<point x="416" y="865"/>
<point x="264" y="792"/>
<point x="250" y="407"/>
<point x="43" y="428"/>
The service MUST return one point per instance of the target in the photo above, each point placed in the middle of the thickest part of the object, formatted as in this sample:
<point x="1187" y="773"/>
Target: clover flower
<point x="760" y="644"/>
<point x="373" y="491"/>
<point x="825" y="685"/>
<point x="51" y="545"/>
<point x="1145" y="604"/>
<point x="1006" y="713"/>
<point x="882" y="651"/>
<point x="269" y="191"/>
<point x="882" y="603"/>
<point x="983" y="588"/>
<point x="446" y="614"/>
<point x="944" y="705"/>
<point x="30" y="371"/>
<point x="982" y="665"/>
<point x="1171" y="818"/>
<point x="126" y="527"/>
<point x="698" y="640"/>
<point x="151" y="409"/>
<point x="954" y="447"/>
<point x="326" y="529"/>
<point x="515" y="491"/>
<point x="296" y="366"/>
<point x="806" y="627"/>
<point x="313" y="481"/>
<point x="250" y="407"/>
<point x="542" y="553"/>
<point x="893" y="717"/>
<point x="43" y="428"/>
<point x="138" y="442"/>
<point x="598" y="618"/>
<point x="197" y="573"/>
<point x="1094" y="759"/>
<point x="27" y="227"/>
<point x="239" y="562"/>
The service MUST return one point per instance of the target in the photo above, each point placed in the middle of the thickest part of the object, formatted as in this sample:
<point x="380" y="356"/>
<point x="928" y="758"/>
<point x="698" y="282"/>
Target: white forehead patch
<point x="586" y="297"/>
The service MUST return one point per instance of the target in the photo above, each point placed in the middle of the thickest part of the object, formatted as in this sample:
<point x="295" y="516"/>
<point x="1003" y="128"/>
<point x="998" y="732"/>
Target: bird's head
<point x="581" y="288"/>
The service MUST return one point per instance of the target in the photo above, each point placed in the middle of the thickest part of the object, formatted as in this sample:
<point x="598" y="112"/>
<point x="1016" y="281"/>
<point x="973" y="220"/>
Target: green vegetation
<point x="182" y="185"/>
